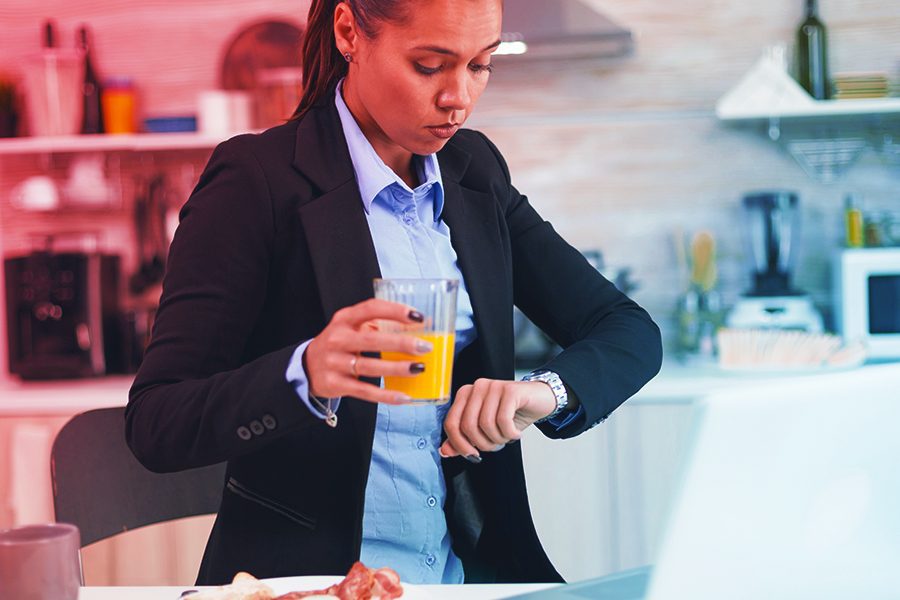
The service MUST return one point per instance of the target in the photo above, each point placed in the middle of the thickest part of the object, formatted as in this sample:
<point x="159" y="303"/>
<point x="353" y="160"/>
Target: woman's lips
<point x="443" y="131"/>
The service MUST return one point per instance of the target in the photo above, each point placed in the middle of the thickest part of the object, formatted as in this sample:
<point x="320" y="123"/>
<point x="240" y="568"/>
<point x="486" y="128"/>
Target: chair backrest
<point x="99" y="486"/>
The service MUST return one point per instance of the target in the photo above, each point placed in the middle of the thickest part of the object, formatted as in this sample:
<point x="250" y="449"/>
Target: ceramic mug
<point x="40" y="562"/>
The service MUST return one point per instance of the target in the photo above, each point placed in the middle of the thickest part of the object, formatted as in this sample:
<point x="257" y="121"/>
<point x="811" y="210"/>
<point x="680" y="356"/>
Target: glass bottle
<point x="92" y="117"/>
<point x="812" y="54"/>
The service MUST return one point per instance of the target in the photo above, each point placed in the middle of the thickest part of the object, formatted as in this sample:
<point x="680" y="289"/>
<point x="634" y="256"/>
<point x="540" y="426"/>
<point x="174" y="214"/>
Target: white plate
<point x="284" y="585"/>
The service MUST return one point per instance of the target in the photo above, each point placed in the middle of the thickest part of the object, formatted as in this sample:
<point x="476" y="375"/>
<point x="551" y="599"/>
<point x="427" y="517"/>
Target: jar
<point x="119" y="102"/>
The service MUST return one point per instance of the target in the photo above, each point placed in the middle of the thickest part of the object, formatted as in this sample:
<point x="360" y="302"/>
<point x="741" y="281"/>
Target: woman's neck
<point x="397" y="159"/>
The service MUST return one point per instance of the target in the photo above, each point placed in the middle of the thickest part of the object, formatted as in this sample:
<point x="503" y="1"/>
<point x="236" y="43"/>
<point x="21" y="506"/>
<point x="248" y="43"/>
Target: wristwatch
<point x="559" y="390"/>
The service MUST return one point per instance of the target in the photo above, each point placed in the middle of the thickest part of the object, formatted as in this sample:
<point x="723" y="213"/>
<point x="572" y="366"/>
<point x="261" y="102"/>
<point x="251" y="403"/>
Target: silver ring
<point x="353" y="366"/>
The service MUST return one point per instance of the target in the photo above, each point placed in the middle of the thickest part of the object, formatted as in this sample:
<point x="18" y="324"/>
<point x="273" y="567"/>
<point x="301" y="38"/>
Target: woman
<point x="262" y="326"/>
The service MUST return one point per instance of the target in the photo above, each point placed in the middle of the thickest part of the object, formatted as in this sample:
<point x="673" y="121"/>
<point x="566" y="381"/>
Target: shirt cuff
<point x="566" y="418"/>
<point x="296" y="376"/>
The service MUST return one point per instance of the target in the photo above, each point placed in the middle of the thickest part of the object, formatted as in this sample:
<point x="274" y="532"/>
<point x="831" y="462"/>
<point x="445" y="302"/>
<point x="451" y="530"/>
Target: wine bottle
<point x="49" y="40"/>
<point x="812" y="54"/>
<point x="92" y="117"/>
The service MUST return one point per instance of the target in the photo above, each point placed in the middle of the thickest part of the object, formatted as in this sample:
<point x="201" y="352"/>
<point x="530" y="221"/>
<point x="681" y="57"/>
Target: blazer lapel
<point x="340" y="243"/>
<point x="343" y="254"/>
<point x="334" y="221"/>
<point x="475" y="230"/>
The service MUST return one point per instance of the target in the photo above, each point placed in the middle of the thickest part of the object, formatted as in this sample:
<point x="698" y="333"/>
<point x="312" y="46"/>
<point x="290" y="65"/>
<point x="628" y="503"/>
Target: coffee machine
<point x="772" y="219"/>
<point x="63" y="317"/>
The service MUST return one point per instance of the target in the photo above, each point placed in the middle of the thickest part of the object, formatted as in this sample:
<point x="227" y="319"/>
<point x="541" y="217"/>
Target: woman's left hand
<point x="490" y="413"/>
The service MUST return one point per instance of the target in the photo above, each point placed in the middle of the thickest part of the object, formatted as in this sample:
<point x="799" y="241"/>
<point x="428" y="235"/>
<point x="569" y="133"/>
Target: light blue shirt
<point x="404" y="525"/>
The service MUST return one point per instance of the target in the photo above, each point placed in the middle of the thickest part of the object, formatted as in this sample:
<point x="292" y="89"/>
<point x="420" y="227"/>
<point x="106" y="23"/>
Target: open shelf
<point x="767" y="91"/>
<point x="147" y="142"/>
<point x="814" y="108"/>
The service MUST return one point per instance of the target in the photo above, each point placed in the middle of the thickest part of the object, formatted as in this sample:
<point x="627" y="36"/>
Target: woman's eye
<point x="477" y="68"/>
<point x="426" y="70"/>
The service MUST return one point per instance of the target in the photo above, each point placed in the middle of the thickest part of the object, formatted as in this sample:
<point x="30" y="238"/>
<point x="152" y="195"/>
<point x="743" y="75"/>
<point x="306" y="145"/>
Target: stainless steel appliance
<point x="63" y="316"/>
<point x="773" y="219"/>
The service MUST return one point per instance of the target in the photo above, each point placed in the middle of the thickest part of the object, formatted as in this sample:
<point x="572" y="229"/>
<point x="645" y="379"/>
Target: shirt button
<point x="244" y="433"/>
<point x="421" y="444"/>
<point x="430" y="560"/>
<point x="256" y="427"/>
<point x="431" y="501"/>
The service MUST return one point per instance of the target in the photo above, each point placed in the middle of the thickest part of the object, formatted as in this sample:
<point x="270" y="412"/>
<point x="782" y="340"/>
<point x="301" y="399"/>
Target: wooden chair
<point x="99" y="486"/>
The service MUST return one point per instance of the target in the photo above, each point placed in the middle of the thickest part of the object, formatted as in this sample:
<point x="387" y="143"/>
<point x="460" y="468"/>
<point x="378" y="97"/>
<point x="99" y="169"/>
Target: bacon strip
<point x="361" y="583"/>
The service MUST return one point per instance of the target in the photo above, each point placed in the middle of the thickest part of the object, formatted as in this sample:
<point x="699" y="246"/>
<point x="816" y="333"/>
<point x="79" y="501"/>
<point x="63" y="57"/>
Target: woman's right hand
<point x="333" y="360"/>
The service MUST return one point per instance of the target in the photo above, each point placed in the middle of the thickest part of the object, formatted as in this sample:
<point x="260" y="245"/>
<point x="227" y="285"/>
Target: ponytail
<point x="323" y="65"/>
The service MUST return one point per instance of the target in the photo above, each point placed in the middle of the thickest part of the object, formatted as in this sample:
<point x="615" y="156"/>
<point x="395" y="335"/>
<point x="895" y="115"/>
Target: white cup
<point x="221" y="112"/>
<point x="40" y="562"/>
<point x="38" y="193"/>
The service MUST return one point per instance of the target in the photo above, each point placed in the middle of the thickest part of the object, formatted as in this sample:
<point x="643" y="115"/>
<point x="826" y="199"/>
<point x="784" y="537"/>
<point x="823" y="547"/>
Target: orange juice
<point x="433" y="385"/>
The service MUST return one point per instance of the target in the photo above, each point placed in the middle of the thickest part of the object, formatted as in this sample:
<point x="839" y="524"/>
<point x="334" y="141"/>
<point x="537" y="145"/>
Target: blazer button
<point x="269" y="422"/>
<point x="257" y="427"/>
<point x="244" y="433"/>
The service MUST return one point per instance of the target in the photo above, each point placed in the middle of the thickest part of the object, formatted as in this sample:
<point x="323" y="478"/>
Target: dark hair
<point x="323" y="65"/>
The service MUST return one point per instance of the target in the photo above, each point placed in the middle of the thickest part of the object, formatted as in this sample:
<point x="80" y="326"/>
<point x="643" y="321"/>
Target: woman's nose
<point x="455" y="95"/>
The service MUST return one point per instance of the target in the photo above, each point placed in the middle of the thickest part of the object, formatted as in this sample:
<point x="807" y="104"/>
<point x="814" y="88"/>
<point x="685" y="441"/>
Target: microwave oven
<point x="867" y="299"/>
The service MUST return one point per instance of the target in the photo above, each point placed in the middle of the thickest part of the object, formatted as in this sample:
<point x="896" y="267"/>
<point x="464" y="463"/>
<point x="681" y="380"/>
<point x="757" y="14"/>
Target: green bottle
<point x="812" y="54"/>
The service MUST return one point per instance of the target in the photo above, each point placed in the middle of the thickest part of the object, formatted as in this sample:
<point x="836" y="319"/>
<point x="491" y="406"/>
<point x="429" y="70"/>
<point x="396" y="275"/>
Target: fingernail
<point x="416" y="316"/>
<point x="417" y="368"/>
<point x="422" y="346"/>
<point x="441" y="452"/>
<point x="401" y="398"/>
<point x="498" y="447"/>
<point x="473" y="458"/>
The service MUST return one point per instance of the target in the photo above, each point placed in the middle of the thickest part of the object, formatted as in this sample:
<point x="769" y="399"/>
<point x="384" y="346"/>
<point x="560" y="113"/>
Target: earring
<point x="348" y="57"/>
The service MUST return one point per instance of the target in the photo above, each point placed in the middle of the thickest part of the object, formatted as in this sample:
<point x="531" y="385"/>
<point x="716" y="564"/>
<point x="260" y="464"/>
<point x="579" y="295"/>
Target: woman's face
<point x="416" y="82"/>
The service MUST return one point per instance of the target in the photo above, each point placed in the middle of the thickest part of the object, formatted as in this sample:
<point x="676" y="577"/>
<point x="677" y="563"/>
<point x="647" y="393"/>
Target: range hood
<point x="557" y="29"/>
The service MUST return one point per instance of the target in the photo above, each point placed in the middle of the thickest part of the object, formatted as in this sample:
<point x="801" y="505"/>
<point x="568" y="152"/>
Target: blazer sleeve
<point x="611" y="346"/>
<point x="196" y="399"/>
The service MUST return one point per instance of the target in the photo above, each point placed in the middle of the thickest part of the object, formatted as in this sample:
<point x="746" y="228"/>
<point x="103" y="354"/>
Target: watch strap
<point x="556" y="385"/>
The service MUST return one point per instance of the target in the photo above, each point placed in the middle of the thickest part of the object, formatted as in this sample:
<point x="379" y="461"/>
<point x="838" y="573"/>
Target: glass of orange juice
<point x="436" y="300"/>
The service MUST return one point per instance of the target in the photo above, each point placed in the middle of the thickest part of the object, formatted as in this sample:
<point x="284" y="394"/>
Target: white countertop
<point x="676" y="384"/>
<point x="420" y="592"/>
<point x="62" y="397"/>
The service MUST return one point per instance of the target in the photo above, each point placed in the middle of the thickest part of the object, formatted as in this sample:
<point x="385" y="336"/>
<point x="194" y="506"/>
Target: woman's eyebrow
<point x="448" y="52"/>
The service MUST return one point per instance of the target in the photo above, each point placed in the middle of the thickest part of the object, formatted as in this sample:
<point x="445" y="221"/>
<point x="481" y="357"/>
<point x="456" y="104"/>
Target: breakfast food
<point x="361" y="583"/>
<point x="244" y="587"/>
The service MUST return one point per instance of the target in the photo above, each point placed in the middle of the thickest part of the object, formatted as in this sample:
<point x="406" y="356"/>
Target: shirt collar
<point x="372" y="175"/>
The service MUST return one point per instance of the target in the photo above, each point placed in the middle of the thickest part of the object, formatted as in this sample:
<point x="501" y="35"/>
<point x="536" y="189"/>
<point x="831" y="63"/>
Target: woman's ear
<point x="346" y="35"/>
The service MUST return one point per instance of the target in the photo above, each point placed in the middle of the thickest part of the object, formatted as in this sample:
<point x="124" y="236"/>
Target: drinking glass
<point x="436" y="300"/>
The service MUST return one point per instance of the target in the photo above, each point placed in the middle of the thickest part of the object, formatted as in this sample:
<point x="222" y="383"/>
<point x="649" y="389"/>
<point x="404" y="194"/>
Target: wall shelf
<point x="825" y="137"/>
<point x="815" y="108"/>
<point x="145" y="142"/>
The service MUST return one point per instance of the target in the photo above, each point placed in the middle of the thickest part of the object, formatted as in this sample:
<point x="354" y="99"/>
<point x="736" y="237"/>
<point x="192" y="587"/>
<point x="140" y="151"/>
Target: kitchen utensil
<point x="703" y="249"/>
<point x="150" y="234"/>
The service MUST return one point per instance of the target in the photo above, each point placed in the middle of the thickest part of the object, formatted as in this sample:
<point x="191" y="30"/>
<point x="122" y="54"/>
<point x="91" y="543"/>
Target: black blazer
<point x="272" y="242"/>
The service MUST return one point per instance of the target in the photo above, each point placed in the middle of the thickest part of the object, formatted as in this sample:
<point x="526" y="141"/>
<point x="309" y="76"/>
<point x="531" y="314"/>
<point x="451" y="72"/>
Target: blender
<point x="773" y="220"/>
